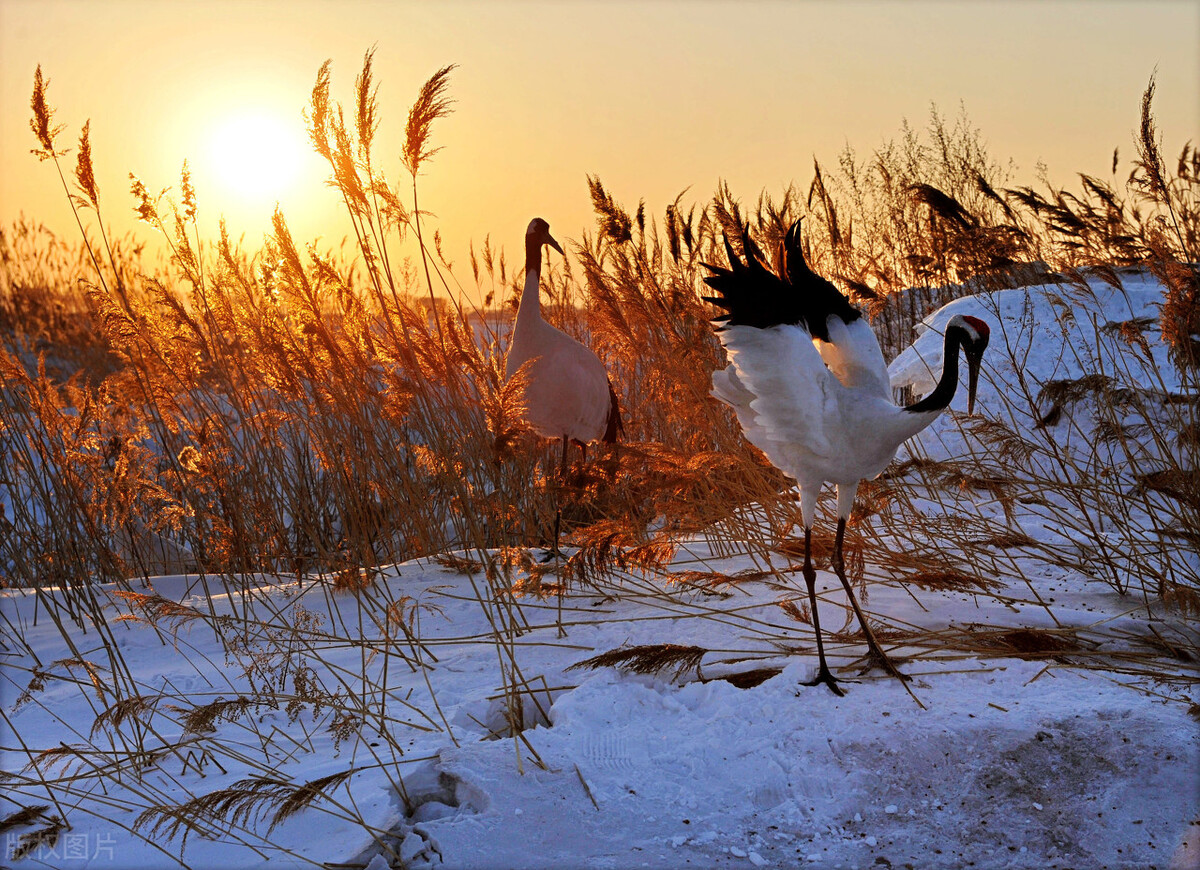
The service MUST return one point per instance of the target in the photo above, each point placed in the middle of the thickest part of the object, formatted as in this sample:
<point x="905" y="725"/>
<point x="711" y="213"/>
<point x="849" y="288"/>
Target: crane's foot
<point x="824" y="676"/>
<point x="877" y="658"/>
<point x="552" y="553"/>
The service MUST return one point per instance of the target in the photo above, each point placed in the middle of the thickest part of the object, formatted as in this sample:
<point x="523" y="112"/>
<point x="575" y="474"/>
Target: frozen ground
<point x="1034" y="758"/>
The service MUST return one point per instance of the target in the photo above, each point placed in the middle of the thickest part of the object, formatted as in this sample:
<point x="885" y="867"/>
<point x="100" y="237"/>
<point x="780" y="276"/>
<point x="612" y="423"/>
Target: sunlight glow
<point x="256" y="156"/>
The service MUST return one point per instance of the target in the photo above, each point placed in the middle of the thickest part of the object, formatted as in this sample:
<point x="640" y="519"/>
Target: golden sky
<point x="654" y="96"/>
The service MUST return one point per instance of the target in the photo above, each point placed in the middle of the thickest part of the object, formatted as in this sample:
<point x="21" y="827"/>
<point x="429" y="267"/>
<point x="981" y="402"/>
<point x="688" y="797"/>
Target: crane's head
<point x="538" y="234"/>
<point x="973" y="336"/>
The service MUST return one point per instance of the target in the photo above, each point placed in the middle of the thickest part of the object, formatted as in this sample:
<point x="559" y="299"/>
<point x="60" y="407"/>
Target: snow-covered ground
<point x="1076" y="758"/>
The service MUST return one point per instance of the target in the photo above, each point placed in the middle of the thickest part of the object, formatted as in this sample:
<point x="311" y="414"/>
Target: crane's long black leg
<point x="810" y="578"/>
<point x="555" y="552"/>
<point x="876" y="655"/>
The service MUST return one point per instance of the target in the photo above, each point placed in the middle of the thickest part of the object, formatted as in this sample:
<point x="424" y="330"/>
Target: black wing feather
<point x="752" y="295"/>
<point x="824" y="299"/>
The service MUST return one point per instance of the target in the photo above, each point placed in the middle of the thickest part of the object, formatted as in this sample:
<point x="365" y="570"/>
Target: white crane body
<point x="567" y="393"/>
<point x="810" y="389"/>
<point x="815" y="423"/>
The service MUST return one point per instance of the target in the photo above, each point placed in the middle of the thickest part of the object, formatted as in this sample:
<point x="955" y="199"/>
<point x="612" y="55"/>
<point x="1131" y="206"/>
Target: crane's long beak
<point x="552" y="243"/>
<point x="974" y="359"/>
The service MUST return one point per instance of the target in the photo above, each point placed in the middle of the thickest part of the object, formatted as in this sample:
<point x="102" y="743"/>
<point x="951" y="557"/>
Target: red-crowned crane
<point x="567" y="392"/>
<point x="810" y="389"/>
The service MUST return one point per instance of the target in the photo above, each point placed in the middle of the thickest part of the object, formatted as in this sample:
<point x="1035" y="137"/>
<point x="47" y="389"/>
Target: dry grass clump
<point x="236" y="808"/>
<point x="42" y="312"/>
<point x="649" y="659"/>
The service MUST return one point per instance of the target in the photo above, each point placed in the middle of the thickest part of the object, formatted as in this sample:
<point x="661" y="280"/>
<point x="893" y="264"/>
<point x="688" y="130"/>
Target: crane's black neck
<point x="947" y="385"/>
<point x="533" y="254"/>
<point x="530" y="309"/>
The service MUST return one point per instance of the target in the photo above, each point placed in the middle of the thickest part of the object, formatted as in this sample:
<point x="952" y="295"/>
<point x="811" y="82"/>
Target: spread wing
<point x="853" y="355"/>
<point x="779" y="387"/>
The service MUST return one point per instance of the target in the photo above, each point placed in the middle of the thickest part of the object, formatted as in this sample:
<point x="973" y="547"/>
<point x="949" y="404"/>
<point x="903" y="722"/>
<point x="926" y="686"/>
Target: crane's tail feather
<point x="753" y="295"/>
<point x="750" y="293"/>
<point x="615" y="427"/>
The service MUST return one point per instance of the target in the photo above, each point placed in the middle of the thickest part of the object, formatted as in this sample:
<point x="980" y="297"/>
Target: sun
<point x="256" y="156"/>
